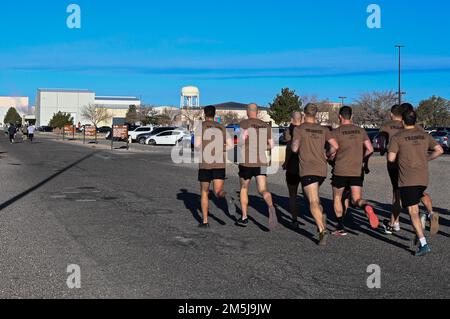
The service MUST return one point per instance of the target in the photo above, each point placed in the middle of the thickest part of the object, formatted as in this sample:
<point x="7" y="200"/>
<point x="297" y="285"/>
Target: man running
<point x="212" y="141"/>
<point x="309" y="141"/>
<point x="387" y="132"/>
<point x="256" y="140"/>
<point x="354" y="148"/>
<point x="410" y="149"/>
<point x="430" y="216"/>
<point x="12" y="130"/>
<point x="30" y="131"/>
<point x="292" y="167"/>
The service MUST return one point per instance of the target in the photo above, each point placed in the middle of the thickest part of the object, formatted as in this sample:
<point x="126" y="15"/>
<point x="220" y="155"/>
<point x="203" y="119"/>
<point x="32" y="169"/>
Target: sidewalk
<point x="103" y="144"/>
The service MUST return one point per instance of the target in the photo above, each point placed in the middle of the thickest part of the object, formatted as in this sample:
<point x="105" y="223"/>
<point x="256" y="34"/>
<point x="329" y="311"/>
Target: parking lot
<point x="129" y="220"/>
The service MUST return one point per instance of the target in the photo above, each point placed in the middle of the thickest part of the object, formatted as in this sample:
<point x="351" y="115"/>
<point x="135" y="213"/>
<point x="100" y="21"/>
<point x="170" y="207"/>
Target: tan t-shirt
<point x="391" y="128"/>
<point x="253" y="152"/>
<point x="213" y="146"/>
<point x="350" y="156"/>
<point x="411" y="147"/>
<point x="312" y="139"/>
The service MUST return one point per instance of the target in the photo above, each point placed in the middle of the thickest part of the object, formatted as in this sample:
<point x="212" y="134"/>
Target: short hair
<point x="346" y="112"/>
<point x="295" y="113"/>
<point x="410" y="118"/>
<point x="252" y="107"/>
<point x="407" y="107"/>
<point x="210" y="111"/>
<point x="311" y="110"/>
<point x="397" y="110"/>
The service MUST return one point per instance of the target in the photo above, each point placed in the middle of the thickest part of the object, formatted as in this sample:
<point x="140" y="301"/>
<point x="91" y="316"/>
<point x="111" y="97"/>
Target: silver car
<point x="443" y="139"/>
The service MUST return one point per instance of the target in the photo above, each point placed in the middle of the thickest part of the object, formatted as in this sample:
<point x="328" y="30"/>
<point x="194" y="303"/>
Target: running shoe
<point x="340" y="233"/>
<point x="425" y="250"/>
<point x="373" y="219"/>
<point x="273" y="219"/>
<point x="434" y="229"/>
<point x="295" y="224"/>
<point x="423" y="220"/>
<point x="397" y="228"/>
<point x="242" y="222"/>
<point x="323" y="237"/>
<point x="203" y="226"/>
<point x="388" y="229"/>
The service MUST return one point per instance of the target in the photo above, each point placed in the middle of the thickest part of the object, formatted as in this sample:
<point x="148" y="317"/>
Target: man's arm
<point x="437" y="152"/>
<point x="334" y="147"/>
<point x="392" y="157"/>
<point x="369" y="149"/>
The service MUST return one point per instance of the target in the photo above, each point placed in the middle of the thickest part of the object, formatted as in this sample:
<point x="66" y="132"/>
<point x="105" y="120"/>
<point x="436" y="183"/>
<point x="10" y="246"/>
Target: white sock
<point x="423" y="242"/>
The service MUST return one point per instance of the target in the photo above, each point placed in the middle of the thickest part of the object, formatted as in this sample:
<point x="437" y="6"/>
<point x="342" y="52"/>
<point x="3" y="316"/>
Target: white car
<point x="172" y="137"/>
<point x="140" y="130"/>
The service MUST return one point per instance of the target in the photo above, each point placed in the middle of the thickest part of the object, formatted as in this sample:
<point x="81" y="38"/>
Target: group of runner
<point x="311" y="149"/>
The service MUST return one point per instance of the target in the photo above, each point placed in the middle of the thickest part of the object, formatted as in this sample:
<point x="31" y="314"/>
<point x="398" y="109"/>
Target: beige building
<point x="187" y="116"/>
<point x="116" y="106"/>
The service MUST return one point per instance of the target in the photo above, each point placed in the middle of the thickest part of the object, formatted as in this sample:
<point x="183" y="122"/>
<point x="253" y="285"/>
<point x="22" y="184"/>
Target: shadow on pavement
<point x="45" y="181"/>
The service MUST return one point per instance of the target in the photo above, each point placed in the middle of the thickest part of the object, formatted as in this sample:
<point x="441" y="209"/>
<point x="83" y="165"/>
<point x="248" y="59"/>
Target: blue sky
<point x="233" y="50"/>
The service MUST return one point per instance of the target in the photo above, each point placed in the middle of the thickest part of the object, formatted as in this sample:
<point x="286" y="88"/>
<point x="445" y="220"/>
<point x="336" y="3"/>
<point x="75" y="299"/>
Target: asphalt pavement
<point x="129" y="220"/>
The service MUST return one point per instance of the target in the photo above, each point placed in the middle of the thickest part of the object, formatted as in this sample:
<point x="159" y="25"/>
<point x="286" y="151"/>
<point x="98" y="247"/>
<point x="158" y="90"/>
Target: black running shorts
<point x="309" y="180"/>
<point x="347" y="182"/>
<point x="209" y="175"/>
<point x="411" y="196"/>
<point x="247" y="173"/>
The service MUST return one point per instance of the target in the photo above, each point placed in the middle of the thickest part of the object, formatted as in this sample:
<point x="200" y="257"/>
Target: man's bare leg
<point x="434" y="217"/>
<point x="293" y="202"/>
<point x="244" y="198"/>
<point x="361" y="203"/>
<point x="414" y="212"/>
<point x="204" y="189"/>
<point x="261" y="182"/>
<point x="339" y="209"/>
<point x="312" y="194"/>
<point x="396" y="208"/>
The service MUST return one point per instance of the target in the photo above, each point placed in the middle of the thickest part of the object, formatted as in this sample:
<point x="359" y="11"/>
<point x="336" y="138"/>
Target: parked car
<point x="45" y="129"/>
<point x="103" y="129"/>
<point x="140" y="130"/>
<point x="141" y="138"/>
<point x="442" y="138"/>
<point x="168" y="137"/>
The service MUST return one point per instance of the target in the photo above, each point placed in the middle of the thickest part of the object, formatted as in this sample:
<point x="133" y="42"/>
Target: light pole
<point x="400" y="93"/>
<point x="343" y="99"/>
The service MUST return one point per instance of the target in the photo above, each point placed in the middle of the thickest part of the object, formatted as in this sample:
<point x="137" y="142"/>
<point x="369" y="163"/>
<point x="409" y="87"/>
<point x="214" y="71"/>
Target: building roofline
<point x="65" y="91"/>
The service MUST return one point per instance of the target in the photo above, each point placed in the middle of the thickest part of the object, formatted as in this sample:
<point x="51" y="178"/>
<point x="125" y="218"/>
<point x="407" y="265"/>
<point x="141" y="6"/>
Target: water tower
<point x="190" y="97"/>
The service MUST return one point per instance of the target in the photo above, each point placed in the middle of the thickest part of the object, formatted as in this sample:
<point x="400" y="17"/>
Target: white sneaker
<point x="423" y="220"/>
<point x="397" y="228"/>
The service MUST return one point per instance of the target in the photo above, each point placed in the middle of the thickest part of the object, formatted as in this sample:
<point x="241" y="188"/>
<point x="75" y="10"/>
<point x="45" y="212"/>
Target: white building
<point x="51" y="101"/>
<point x="20" y="103"/>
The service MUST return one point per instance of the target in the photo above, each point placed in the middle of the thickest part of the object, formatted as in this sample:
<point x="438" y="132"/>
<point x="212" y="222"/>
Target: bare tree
<point x="95" y="114"/>
<point x="372" y="109"/>
<point x="171" y="115"/>
<point x="190" y="115"/>
<point x="230" y="117"/>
